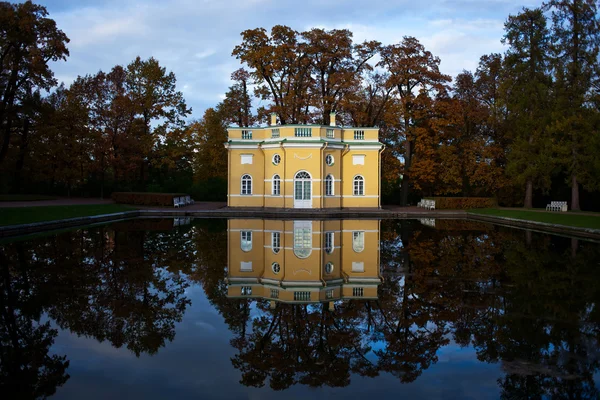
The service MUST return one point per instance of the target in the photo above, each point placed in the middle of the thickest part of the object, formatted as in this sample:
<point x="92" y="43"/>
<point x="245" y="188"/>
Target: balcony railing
<point x="303" y="132"/>
<point x="358" y="292"/>
<point x="302" y="296"/>
<point x="246" y="134"/>
<point x="359" y="135"/>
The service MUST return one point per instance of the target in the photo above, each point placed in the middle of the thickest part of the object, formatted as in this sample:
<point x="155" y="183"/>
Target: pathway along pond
<point x="190" y="309"/>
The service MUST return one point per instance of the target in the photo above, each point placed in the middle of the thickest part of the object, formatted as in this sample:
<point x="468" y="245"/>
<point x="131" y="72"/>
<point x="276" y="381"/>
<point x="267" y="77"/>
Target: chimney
<point x="332" y="119"/>
<point x="273" y="119"/>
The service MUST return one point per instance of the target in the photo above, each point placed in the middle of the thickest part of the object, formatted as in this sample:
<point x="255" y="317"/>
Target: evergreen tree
<point x="528" y="87"/>
<point x="575" y="45"/>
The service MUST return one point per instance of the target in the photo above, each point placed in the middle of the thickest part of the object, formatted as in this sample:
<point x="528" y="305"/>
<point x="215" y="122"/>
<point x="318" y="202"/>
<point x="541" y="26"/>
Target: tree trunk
<point x="574" y="247"/>
<point x="529" y="194"/>
<point x="574" y="194"/>
<point x="405" y="177"/>
<point x="5" y="140"/>
<point x="17" y="184"/>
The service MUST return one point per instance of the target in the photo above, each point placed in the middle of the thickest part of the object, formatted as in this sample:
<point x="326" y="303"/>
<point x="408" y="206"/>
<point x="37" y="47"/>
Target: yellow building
<point x="303" y="261"/>
<point x="304" y="166"/>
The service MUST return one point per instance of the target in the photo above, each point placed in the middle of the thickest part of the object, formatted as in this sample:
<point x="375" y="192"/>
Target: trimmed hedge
<point x="462" y="203"/>
<point x="145" y="199"/>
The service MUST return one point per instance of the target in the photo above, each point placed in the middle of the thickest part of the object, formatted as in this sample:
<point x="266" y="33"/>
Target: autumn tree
<point x="336" y="67"/>
<point x="62" y="141"/>
<point x="28" y="42"/>
<point x="528" y="87"/>
<point x="130" y="110"/>
<point x="306" y="75"/>
<point x="412" y="70"/>
<point x="237" y="105"/>
<point x="280" y="67"/>
<point x="575" y="48"/>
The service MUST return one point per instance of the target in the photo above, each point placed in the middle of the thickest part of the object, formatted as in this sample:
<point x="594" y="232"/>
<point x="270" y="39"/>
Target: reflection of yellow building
<point x="304" y="166"/>
<point x="303" y="261"/>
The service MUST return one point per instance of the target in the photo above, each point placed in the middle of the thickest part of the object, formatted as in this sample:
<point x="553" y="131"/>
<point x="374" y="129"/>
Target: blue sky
<point x="194" y="38"/>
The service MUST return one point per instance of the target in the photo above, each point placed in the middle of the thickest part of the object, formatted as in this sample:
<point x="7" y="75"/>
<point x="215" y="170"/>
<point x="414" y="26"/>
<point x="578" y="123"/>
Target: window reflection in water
<point x="305" y="265"/>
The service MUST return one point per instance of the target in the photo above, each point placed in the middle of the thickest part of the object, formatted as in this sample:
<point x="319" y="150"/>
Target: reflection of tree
<point x="548" y="333"/>
<point x="123" y="293"/>
<point x="111" y="284"/>
<point x="27" y="370"/>
<point x="305" y="344"/>
<point x="527" y="304"/>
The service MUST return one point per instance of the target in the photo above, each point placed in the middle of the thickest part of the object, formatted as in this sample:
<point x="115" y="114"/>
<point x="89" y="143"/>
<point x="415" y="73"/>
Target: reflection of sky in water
<point x="196" y="365"/>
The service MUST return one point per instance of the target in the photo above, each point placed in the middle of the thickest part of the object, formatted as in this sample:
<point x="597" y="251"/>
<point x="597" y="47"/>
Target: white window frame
<point x="331" y="157"/>
<point x="303" y="239"/>
<point x="358" y="241"/>
<point x="356" y="186"/>
<point x="246" y="241"/>
<point x="329" y="180"/>
<point x="276" y="185"/>
<point x="276" y="268"/>
<point x="329" y="242"/>
<point x="329" y="268"/>
<point x="275" y="156"/>
<point x="246" y="192"/>
<point x="276" y="242"/>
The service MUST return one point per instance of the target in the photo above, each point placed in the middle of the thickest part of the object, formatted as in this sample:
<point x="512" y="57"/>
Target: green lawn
<point x="28" y="215"/>
<point x="24" y="197"/>
<point x="560" y="218"/>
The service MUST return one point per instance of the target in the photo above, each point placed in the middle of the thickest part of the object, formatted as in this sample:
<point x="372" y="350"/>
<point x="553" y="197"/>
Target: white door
<point x="302" y="190"/>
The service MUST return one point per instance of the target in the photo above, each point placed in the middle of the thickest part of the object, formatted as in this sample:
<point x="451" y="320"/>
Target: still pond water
<point x="202" y="309"/>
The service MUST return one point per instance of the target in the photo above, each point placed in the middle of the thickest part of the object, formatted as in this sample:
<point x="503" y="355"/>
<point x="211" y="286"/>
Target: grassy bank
<point x="559" y="218"/>
<point x="28" y="215"/>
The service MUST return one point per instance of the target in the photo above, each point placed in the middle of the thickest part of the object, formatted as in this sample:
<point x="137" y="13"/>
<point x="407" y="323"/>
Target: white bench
<point x="178" y="202"/>
<point x="182" y="201"/>
<point x="557" y="206"/>
<point x="427" y="204"/>
<point x="428" y="222"/>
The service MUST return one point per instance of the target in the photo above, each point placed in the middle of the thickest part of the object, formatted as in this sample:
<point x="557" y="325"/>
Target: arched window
<point x="246" y="240"/>
<point x="359" y="185"/>
<point x="302" y="238"/>
<point x="358" y="241"/>
<point x="302" y="175"/>
<point x="276" y="186"/>
<point x="246" y="184"/>
<point x="329" y="242"/>
<point x="302" y="190"/>
<point x="276" y="242"/>
<point x="329" y="185"/>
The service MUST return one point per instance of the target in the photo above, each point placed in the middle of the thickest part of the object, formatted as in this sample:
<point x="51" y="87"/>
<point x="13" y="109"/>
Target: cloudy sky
<point x="194" y="38"/>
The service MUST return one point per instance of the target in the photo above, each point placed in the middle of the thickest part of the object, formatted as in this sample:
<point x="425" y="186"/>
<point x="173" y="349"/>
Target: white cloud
<point x="194" y="39"/>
